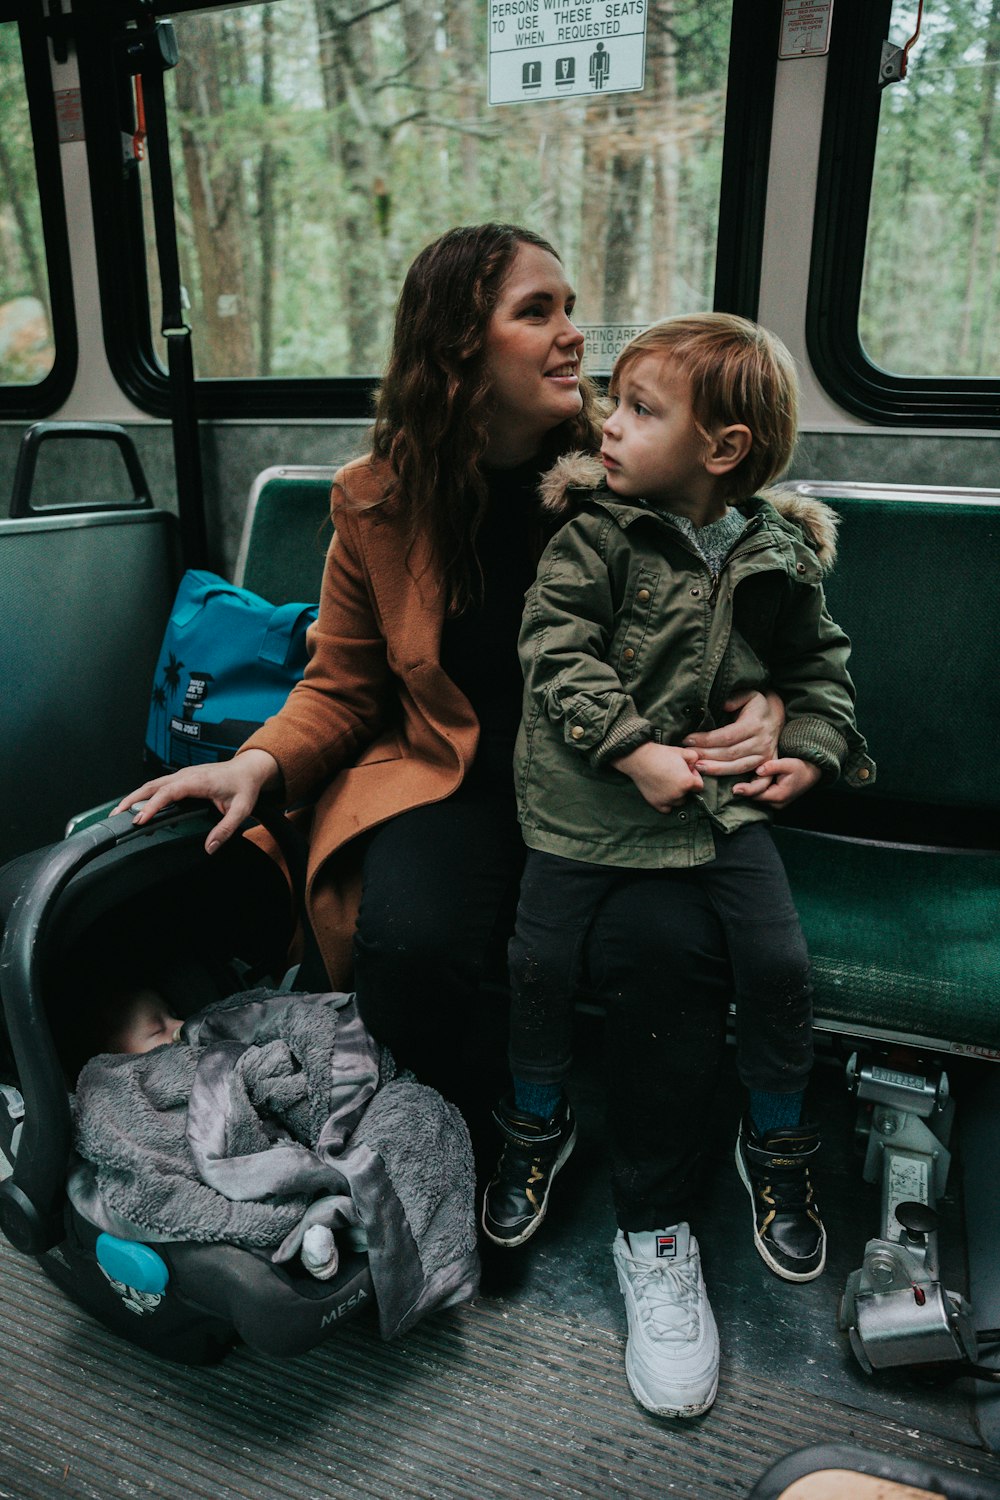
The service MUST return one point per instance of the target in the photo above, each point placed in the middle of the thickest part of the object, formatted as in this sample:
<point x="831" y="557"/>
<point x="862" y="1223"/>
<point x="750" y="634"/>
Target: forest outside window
<point x="27" y="345"/>
<point x="319" y="144"/>
<point x="930" y="301"/>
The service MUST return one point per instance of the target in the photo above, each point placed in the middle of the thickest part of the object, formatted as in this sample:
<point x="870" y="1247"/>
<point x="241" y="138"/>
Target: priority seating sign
<point x="551" y="49"/>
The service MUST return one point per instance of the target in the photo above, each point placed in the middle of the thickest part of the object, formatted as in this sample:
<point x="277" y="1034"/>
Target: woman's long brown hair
<point x="432" y="410"/>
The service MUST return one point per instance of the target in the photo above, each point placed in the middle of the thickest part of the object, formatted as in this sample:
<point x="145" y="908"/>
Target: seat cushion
<point x="904" y="941"/>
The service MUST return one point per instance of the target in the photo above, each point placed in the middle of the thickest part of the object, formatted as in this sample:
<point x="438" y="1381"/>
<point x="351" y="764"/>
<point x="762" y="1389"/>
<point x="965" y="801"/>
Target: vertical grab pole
<point x="154" y="52"/>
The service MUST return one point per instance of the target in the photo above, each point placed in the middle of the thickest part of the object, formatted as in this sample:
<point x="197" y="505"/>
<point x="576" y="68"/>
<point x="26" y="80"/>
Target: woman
<point x="403" y="727"/>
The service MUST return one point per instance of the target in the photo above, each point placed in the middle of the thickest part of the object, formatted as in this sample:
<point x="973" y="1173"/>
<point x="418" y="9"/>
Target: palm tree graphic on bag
<point x="172" y="681"/>
<point x="160" y="704"/>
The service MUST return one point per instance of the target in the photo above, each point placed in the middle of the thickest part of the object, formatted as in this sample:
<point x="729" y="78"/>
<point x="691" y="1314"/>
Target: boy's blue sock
<point x="773" y="1111"/>
<point x="539" y="1099"/>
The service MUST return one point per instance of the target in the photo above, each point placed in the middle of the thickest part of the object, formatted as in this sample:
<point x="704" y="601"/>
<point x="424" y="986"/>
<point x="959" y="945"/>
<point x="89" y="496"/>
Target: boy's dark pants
<point x="666" y="951"/>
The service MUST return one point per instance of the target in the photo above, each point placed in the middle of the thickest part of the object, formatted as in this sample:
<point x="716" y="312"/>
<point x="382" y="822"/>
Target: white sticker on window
<point x="805" y="28"/>
<point x="603" y="342"/>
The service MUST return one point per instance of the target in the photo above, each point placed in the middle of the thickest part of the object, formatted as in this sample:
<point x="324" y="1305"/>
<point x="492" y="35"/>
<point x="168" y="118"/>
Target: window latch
<point x="892" y="68"/>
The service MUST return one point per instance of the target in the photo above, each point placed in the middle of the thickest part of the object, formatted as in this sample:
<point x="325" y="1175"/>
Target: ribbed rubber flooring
<point x="483" y="1402"/>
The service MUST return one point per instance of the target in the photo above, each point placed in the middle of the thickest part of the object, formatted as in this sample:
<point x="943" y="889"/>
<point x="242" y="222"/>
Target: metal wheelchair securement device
<point x="895" y="1308"/>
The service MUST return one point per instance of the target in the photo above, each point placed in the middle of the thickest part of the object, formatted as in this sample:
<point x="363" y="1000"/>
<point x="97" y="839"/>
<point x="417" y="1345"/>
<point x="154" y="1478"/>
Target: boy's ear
<point x="727" y="448"/>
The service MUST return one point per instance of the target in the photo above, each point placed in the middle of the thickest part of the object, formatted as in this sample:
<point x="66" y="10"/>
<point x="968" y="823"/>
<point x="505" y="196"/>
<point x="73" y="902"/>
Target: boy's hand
<point x="779" y="782"/>
<point x="663" y="774"/>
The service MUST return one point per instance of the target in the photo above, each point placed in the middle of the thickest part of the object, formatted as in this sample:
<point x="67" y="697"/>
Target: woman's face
<point x="532" y="355"/>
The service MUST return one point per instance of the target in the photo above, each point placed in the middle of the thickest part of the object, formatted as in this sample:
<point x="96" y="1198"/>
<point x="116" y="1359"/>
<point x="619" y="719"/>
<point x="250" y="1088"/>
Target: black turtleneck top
<point x="479" y="647"/>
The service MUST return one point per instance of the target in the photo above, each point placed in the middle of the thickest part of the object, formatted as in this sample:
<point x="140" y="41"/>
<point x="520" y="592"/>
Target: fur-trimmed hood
<point x="583" y="471"/>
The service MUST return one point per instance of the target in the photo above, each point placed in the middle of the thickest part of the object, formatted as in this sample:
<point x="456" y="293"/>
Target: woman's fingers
<point x="141" y="794"/>
<point x="717" y="739"/>
<point x="739" y="765"/>
<point x="232" y="785"/>
<point x="234" y="819"/>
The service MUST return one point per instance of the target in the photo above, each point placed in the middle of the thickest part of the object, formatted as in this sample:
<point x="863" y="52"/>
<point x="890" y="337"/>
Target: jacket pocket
<point x="386" y="747"/>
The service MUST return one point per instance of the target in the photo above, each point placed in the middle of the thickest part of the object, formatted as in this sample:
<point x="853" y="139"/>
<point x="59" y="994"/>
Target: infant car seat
<point x="214" y="926"/>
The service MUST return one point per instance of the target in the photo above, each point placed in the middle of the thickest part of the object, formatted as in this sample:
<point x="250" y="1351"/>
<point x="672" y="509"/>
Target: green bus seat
<point x="903" y="931"/>
<point x="286" y="534"/>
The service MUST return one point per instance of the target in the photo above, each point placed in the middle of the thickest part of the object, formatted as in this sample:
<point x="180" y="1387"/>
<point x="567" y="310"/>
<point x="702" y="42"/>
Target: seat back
<point x="917" y="588"/>
<point x="896" y="891"/>
<point x="84" y="600"/>
<point x="286" y="534"/>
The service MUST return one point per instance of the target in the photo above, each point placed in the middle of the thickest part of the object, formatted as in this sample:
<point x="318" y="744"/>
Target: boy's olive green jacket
<point x="628" y="637"/>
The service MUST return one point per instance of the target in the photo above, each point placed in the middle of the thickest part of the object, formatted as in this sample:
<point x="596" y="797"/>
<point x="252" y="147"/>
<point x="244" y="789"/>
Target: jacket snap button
<point x="864" y="774"/>
<point x="682" y="817"/>
<point x="696" y="593"/>
<point x="577" y="732"/>
<point x="643" y="594"/>
<point x="800" y="567"/>
<point x="628" y="653"/>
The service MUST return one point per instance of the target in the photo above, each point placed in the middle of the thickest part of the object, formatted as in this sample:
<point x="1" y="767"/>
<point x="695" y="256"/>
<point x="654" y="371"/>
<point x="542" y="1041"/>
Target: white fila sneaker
<point x="672" y="1354"/>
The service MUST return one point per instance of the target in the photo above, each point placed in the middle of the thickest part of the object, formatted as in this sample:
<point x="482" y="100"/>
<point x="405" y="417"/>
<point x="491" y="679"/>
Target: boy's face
<point x="652" y="447"/>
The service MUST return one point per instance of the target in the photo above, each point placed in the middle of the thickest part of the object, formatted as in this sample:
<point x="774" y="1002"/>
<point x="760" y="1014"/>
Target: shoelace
<point x="668" y="1297"/>
<point x="789" y="1191"/>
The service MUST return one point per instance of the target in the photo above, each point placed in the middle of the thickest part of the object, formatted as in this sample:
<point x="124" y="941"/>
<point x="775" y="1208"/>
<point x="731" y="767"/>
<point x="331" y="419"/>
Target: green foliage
<point x="378" y="137"/>
<point x="26" y="350"/>
<point x="931" y="289"/>
<point x="321" y="143"/>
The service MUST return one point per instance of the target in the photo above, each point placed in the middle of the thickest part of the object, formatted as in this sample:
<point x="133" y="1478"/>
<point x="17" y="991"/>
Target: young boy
<point x="672" y="589"/>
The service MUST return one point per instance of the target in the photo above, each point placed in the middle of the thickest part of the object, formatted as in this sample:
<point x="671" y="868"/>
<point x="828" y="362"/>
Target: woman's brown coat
<point x="375" y="727"/>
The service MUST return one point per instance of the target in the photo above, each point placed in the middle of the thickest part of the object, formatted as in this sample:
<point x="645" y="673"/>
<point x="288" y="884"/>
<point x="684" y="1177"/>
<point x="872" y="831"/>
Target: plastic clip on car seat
<point x="132" y="1263"/>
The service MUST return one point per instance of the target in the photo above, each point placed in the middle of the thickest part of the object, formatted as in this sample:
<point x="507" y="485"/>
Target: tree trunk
<point x="218" y="212"/>
<point x="593" y="212"/>
<point x="666" y="162"/>
<point x="987" y="112"/>
<point x="32" y="261"/>
<point x="624" y="213"/>
<point x="267" y="223"/>
<point x="353" y="149"/>
<point x="459" y="24"/>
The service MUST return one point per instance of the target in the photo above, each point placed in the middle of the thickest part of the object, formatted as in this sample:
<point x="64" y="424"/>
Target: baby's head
<point x="739" y="379"/>
<point x="137" y="1021"/>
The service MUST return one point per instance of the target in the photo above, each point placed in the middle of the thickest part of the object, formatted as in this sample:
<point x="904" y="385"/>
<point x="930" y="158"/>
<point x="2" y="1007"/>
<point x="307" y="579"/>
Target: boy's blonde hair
<point x="739" y="372"/>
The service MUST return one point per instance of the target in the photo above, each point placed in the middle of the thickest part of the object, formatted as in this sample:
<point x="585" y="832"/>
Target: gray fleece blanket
<point x="276" y="1112"/>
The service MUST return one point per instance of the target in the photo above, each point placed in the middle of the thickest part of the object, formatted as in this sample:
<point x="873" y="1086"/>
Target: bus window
<point x="27" y="346"/>
<point x="316" y="147"/>
<point x="901" y="321"/>
<point x="931" y="290"/>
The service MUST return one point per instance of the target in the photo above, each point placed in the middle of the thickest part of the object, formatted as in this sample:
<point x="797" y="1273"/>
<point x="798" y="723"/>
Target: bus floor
<point x="521" y="1394"/>
<point x="780" y="1331"/>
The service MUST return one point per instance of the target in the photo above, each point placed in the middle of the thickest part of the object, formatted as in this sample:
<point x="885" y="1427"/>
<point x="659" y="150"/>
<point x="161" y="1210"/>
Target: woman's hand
<point x="233" y="785"/>
<point x="779" y="782"/>
<point x="741" y="746"/>
<point x="663" y="774"/>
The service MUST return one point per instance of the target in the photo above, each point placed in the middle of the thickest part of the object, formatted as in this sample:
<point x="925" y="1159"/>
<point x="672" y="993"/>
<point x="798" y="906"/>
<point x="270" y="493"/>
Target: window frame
<point x="121" y="253"/>
<point x="840" y="231"/>
<point x="41" y="398"/>
<point x="746" y="149"/>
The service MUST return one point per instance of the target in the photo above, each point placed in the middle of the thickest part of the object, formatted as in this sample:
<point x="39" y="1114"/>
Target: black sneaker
<point x="787" y="1228"/>
<point x="515" y="1201"/>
